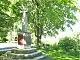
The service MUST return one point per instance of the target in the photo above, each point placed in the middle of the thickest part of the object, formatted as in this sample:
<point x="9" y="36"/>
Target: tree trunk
<point x="38" y="25"/>
<point x="39" y="33"/>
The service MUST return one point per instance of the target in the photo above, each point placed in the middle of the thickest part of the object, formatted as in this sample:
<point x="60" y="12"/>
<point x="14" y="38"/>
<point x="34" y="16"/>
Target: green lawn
<point x="60" y="54"/>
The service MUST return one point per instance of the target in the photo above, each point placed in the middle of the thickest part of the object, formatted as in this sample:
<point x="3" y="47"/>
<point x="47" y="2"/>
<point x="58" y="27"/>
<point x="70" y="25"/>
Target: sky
<point x="68" y="32"/>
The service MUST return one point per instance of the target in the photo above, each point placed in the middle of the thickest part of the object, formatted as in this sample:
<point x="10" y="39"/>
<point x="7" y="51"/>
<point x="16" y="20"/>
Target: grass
<point x="60" y="54"/>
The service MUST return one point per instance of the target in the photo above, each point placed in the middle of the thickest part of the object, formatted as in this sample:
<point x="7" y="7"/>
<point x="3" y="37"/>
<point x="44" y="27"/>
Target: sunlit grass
<point x="60" y="54"/>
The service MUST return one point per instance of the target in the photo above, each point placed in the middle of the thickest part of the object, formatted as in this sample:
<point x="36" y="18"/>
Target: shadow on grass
<point x="58" y="54"/>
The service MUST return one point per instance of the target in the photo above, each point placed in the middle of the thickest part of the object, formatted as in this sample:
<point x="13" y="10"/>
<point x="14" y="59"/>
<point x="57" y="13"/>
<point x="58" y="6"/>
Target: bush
<point x="55" y="47"/>
<point x="74" y="53"/>
<point x="49" y="47"/>
<point x="67" y="43"/>
<point x="4" y="40"/>
<point x="2" y="52"/>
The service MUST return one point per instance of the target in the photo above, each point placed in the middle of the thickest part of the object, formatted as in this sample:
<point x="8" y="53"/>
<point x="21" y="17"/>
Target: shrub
<point x="67" y="43"/>
<point x="2" y="52"/>
<point x="74" y="53"/>
<point x="55" y="47"/>
<point x="4" y="40"/>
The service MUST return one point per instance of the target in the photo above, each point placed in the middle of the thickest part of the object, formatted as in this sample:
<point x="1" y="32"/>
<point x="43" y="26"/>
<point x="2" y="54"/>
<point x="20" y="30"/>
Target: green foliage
<point x="53" y="47"/>
<point x="67" y="43"/>
<point x="48" y="47"/>
<point x="74" y="52"/>
<point x="77" y="39"/>
<point x="47" y="16"/>
<point x="4" y="40"/>
<point x="2" y="52"/>
<point x="6" y="18"/>
<point x="44" y="16"/>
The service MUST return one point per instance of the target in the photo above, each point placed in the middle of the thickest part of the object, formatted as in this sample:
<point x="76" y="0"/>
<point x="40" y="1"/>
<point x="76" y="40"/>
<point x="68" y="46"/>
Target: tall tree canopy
<point x="6" y="18"/>
<point x="46" y="16"/>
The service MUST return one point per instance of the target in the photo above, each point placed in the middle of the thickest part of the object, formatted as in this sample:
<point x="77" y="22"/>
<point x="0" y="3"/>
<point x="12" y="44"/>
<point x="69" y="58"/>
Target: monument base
<point x="25" y="54"/>
<point x="24" y="40"/>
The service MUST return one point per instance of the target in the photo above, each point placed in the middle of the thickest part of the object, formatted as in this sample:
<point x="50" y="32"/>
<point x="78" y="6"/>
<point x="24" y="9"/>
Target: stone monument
<point x="26" y="34"/>
<point x="27" y="53"/>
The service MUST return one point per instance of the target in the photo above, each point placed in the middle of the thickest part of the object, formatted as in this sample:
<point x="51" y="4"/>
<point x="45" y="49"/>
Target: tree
<point x="47" y="17"/>
<point x="6" y="18"/>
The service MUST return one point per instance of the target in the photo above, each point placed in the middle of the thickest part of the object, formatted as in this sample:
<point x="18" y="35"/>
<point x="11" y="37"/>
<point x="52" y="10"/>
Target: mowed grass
<point x="61" y="55"/>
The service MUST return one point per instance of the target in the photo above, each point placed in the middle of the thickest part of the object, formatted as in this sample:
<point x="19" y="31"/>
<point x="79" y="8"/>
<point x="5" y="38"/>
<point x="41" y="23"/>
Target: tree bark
<point x="38" y="33"/>
<point x="38" y="25"/>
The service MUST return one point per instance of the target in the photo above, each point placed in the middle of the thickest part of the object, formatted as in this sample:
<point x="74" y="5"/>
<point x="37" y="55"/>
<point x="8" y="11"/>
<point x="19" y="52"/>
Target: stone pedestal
<point x="24" y="39"/>
<point x="25" y="54"/>
<point x="27" y="38"/>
